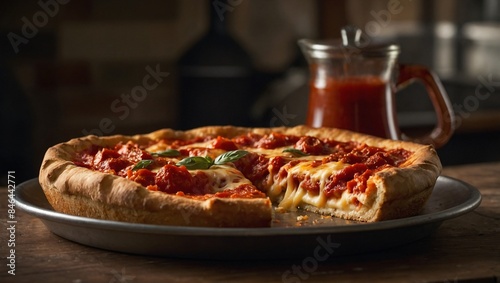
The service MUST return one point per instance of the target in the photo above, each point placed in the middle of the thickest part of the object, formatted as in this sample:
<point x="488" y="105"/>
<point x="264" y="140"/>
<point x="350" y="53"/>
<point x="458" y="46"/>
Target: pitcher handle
<point x="445" y="125"/>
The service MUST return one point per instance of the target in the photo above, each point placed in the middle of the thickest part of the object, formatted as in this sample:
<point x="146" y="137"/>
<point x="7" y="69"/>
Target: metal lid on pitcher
<point x="352" y="43"/>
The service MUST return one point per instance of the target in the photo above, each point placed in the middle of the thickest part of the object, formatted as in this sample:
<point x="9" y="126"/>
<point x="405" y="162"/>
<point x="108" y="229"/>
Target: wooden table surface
<point x="464" y="249"/>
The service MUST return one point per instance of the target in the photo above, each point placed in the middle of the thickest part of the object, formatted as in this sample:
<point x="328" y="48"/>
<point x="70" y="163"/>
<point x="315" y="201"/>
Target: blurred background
<point x="71" y="68"/>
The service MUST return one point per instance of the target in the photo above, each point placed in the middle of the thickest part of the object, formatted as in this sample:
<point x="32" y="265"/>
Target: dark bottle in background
<point x="216" y="76"/>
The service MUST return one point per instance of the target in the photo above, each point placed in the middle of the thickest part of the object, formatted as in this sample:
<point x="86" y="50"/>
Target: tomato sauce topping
<point x="254" y="167"/>
<point x="172" y="179"/>
<point x="312" y="146"/>
<point x="275" y="140"/>
<point x="224" y="143"/>
<point x="352" y="178"/>
<point x="116" y="160"/>
<point x="363" y="162"/>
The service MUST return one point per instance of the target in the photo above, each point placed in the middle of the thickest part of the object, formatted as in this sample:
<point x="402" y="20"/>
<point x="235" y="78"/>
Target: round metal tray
<point x="313" y="235"/>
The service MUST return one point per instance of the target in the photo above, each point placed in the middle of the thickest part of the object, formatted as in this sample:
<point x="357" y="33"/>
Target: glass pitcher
<point x="352" y="86"/>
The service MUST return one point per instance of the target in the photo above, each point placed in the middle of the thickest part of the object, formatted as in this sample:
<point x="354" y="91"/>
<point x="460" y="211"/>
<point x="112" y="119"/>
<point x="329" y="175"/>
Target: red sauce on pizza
<point x="254" y="167"/>
<point x="163" y="173"/>
<point x="224" y="143"/>
<point x="312" y="146"/>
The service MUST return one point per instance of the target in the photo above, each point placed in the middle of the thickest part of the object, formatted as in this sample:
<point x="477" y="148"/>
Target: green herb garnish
<point x="295" y="152"/>
<point x="142" y="164"/>
<point x="198" y="162"/>
<point x="230" y="156"/>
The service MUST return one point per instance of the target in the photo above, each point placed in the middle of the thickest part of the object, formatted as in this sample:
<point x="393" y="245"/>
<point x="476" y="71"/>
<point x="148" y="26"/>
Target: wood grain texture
<point x="462" y="249"/>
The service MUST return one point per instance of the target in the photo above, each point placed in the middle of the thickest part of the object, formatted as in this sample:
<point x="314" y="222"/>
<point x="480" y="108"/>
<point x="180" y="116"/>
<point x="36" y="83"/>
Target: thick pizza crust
<point x="79" y="191"/>
<point x="393" y="193"/>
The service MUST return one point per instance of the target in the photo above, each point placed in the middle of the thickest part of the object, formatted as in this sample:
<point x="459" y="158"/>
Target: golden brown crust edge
<point x="58" y="176"/>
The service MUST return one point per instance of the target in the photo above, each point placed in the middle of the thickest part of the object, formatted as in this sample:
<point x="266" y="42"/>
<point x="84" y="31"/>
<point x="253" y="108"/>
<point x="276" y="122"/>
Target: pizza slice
<point x="227" y="176"/>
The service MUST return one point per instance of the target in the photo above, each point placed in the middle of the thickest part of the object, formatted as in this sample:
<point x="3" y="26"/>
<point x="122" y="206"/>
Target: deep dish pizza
<point x="226" y="176"/>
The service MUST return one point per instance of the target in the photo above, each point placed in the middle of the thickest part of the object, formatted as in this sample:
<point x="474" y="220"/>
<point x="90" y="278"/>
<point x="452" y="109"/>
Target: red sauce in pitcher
<point x="359" y="104"/>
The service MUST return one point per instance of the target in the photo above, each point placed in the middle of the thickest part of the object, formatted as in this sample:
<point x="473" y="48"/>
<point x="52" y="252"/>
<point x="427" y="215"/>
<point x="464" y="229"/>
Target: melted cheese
<point x="159" y="146"/>
<point x="291" y="195"/>
<point x="224" y="177"/>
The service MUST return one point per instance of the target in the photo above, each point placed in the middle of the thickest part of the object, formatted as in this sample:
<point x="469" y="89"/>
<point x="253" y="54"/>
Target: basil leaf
<point x="295" y="152"/>
<point x="230" y="156"/>
<point x="142" y="164"/>
<point x="167" y="153"/>
<point x="196" y="162"/>
<point x="209" y="159"/>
